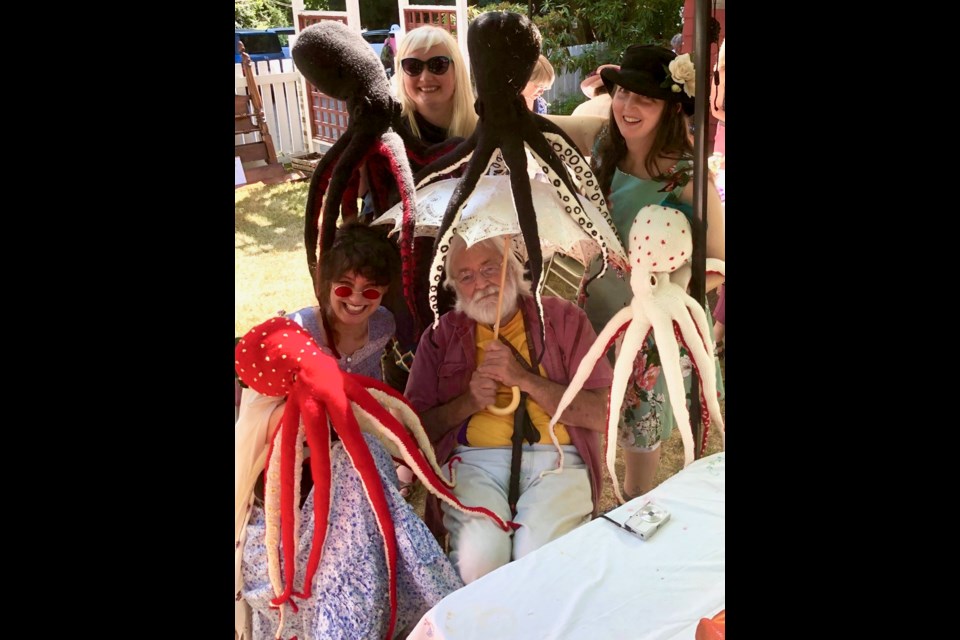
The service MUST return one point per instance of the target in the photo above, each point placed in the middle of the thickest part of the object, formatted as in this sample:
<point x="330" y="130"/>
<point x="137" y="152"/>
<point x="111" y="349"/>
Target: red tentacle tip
<point x="514" y="525"/>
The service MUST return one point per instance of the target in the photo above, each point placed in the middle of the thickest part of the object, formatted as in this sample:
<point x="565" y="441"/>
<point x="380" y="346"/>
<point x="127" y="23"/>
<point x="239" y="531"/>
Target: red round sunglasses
<point x="344" y="291"/>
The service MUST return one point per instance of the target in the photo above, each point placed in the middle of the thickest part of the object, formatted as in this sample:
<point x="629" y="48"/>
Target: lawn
<point x="270" y="265"/>
<point x="271" y="276"/>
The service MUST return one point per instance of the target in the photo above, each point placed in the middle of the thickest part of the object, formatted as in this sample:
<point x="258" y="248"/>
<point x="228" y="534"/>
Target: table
<point x="600" y="582"/>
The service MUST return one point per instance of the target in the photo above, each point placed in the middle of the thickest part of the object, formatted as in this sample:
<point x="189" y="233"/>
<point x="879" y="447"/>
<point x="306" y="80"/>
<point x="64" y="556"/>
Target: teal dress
<point x="646" y="417"/>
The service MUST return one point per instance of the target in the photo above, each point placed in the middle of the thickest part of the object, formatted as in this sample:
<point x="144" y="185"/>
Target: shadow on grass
<point x="270" y="218"/>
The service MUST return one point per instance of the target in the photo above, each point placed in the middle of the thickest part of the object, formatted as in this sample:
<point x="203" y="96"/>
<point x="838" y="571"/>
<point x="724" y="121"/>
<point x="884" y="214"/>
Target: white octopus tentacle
<point x="436" y="267"/>
<point x="409" y="419"/>
<point x="271" y="514"/>
<point x="633" y="341"/>
<point x="297" y="477"/>
<point x="701" y="348"/>
<point x="670" y="366"/>
<point x="584" y="369"/>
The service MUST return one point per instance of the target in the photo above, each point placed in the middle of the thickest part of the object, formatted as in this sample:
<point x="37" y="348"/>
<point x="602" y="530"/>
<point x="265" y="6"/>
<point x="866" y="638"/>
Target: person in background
<point x="676" y="43"/>
<point x="460" y="370"/>
<point x="599" y="98"/>
<point x="541" y="79"/>
<point x="387" y="56"/>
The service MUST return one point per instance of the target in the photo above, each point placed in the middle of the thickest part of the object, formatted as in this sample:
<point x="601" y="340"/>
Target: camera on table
<point x="648" y="520"/>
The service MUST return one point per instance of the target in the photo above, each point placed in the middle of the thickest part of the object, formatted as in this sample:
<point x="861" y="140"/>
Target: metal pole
<point x="701" y="55"/>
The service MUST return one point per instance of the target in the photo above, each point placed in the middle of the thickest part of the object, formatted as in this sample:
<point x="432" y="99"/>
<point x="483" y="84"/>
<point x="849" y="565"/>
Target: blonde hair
<point x="464" y="119"/>
<point x="543" y="73"/>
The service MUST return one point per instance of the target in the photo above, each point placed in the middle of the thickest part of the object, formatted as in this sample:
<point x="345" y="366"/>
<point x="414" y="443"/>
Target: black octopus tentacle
<point x="349" y="163"/>
<point x="475" y="169"/>
<point x="318" y="186"/>
<point x="516" y="159"/>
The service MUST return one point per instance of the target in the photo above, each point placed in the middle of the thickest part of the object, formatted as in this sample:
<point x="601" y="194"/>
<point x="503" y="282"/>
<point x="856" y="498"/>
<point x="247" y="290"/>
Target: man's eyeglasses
<point x="437" y="65"/>
<point x="490" y="272"/>
<point x="345" y="292"/>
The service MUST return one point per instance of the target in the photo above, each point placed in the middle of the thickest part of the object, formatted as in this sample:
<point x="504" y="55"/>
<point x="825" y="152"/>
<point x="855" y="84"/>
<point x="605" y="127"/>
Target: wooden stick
<point x="515" y="398"/>
<point x="503" y="280"/>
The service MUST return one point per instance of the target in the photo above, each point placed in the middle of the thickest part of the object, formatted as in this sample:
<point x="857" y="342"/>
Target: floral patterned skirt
<point x="350" y="596"/>
<point x="646" y="417"/>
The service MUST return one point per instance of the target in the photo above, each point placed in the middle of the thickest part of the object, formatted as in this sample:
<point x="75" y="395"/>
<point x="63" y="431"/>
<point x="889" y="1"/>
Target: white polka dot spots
<point x="267" y="358"/>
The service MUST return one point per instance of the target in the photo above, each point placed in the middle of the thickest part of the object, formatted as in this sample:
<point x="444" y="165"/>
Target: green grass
<point x="270" y="265"/>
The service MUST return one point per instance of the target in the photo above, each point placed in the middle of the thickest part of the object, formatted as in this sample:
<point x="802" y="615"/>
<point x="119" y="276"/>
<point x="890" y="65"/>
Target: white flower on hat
<point x="683" y="72"/>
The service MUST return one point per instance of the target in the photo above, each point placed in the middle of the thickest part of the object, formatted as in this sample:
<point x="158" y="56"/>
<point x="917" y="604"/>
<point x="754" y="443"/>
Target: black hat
<point x="644" y="69"/>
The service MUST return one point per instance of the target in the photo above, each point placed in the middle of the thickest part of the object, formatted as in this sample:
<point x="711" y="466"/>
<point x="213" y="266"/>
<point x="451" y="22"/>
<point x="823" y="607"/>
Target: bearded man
<point x="460" y="370"/>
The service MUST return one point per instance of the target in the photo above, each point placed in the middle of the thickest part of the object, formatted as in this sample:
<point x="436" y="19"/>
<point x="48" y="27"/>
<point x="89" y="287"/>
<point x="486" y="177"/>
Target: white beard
<point x="485" y="311"/>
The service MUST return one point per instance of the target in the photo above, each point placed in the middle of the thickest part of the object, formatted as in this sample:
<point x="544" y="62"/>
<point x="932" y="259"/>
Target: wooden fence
<point x="279" y="84"/>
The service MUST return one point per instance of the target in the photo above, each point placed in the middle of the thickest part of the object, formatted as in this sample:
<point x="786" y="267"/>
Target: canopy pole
<point x="701" y="53"/>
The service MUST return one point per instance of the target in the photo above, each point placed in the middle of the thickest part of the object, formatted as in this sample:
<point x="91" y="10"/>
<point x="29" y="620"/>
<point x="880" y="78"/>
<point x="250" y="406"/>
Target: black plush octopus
<point x="342" y="65"/>
<point x="503" y="48"/>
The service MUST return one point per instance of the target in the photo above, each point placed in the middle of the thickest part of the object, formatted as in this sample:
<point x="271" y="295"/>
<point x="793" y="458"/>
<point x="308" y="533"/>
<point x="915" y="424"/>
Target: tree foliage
<point x="374" y="14"/>
<point x="260" y="14"/>
<point x="610" y="26"/>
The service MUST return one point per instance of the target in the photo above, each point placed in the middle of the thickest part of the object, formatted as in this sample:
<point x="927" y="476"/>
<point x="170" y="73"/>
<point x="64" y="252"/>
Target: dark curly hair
<point x="362" y="249"/>
<point x="671" y="140"/>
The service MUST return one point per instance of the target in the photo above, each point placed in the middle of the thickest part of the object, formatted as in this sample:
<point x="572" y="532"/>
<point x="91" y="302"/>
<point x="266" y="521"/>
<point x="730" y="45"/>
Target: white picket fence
<point x="279" y="88"/>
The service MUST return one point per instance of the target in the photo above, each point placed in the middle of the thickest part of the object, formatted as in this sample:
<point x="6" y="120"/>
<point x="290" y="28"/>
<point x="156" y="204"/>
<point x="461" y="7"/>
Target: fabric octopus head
<point x="503" y="48"/>
<point x="359" y="79"/>
<point x="660" y="240"/>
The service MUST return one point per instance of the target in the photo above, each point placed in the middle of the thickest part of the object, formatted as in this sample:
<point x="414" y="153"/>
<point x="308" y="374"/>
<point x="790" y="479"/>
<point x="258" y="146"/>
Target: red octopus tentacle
<point x="390" y="147"/>
<point x="393" y="430"/>
<point x="288" y="444"/>
<point x="318" y="438"/>
<point x="341" y="417"/>
<point x="315" y="192"/>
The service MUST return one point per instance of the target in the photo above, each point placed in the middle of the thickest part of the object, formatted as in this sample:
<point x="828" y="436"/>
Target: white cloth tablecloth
<point x="600" y="582"/>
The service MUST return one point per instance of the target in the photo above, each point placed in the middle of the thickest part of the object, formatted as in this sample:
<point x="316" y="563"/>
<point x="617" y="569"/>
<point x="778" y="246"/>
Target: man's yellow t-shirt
<point x="488" y="430"/>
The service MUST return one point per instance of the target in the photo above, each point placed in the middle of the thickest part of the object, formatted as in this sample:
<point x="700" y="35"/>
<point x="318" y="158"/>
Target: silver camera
<point x="647" y="520"/>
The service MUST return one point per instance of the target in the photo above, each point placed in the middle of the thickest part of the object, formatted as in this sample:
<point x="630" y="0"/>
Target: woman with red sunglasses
<point x="350" y="322"/>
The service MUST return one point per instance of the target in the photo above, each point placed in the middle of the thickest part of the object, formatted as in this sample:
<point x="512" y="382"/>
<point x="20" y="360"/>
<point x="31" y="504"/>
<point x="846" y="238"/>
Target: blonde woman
<point x="541" y="79"/>
<point x="433" y="85"/>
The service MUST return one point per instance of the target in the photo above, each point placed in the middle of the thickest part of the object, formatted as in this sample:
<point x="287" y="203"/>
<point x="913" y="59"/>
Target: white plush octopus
<point x="660" y="244"/>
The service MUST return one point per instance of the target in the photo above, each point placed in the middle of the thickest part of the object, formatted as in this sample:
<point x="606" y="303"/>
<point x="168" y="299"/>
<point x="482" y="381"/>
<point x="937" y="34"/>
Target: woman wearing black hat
<point x="642" y="154"/>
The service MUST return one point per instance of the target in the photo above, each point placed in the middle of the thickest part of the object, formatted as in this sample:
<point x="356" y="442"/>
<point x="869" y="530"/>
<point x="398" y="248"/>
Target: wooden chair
<point x="249" y="118"/>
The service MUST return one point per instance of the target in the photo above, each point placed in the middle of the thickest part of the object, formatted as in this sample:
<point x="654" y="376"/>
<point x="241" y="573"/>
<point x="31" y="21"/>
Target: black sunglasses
<point x="437" y="65"/>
